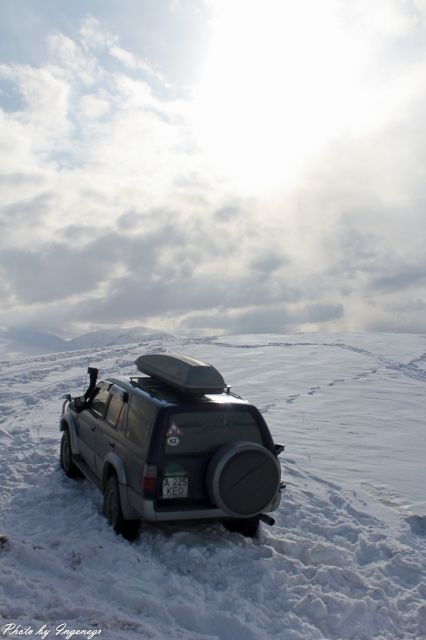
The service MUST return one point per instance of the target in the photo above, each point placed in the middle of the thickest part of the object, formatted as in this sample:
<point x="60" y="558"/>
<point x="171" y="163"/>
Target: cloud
<point x="406" y="277"/>
<point x="93" y="106"/>
<point x="73" y="60"/>
<point x="44" y="275"/>
<point x="23" y="220"/>
<point x="112" y="212"/>
<point x="45" y="96"/>
<point x="94" y="36"/>
<point x="131" y="61"/>
<point x="277" y="318"/>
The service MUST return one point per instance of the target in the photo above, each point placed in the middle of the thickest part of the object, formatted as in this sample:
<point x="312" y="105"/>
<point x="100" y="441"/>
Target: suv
<point x="172" y="445"/>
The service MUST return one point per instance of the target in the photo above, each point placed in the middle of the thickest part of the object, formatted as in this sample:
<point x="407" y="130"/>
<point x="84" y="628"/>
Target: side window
<point x="114" y="408"/>
<point x="140" y="417"/>
<point x="99" y="400"/>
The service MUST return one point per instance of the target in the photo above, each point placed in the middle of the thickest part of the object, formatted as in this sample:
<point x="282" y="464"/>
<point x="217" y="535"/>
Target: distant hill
<point x="108" y="337"/>
<point x="30" y="341"/>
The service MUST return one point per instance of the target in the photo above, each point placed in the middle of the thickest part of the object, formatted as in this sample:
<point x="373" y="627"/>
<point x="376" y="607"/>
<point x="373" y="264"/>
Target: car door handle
<point x="93" y="428"/>
<point x="111" y="443"/>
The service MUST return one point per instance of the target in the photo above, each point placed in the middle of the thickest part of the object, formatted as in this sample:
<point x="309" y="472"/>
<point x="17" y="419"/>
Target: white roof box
<point x="187" y="374"/>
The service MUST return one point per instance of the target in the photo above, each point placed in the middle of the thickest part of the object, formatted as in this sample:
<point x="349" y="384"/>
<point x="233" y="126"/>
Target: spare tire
<point x="243" y="478"/>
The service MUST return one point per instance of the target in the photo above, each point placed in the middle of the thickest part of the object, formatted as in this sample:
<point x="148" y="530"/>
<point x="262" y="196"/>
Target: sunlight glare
<point x="278" y="82"/>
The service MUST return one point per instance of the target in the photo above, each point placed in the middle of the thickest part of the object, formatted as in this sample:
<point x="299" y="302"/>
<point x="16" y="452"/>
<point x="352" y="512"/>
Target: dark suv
<point x="173" y="445"/>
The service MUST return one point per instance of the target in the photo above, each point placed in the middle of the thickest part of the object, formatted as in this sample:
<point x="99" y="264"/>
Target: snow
<point x="345" y="560"/>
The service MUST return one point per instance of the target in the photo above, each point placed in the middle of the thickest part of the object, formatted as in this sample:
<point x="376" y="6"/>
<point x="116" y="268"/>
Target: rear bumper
<point x="151" y="513"/>
<point x="148" y="511"/>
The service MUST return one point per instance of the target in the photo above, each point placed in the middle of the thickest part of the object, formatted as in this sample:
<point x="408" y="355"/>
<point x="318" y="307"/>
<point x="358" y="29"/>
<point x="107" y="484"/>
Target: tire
<point x="248" y="527"/>
<point x="243" y="479"/>
<point x="66" y="459"/>
<point x="114" y="514"/>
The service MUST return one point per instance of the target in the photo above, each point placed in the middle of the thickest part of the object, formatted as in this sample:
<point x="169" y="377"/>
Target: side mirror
<point x="66" y="396"/>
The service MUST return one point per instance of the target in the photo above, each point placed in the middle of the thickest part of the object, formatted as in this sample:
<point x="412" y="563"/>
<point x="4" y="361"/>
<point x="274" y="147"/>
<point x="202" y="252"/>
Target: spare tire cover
<point x="243" y="478"/>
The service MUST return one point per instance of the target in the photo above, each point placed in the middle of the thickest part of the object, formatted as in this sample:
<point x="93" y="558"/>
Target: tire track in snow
<point x="409" y="369"/>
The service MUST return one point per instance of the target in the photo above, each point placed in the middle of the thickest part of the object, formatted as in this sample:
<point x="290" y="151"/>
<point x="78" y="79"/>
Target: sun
<point x="279" y="80"/>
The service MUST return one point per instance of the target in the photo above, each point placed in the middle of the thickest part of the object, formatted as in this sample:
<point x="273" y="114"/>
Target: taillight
<point x="149" y="478"/>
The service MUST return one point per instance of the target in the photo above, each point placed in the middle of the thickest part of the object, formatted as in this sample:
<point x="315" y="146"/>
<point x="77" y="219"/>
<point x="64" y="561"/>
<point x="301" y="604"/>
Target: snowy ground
<point x="347" y="556"/>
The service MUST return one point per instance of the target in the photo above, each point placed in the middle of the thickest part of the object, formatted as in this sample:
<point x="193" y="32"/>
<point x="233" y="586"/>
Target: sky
<point x="212" y="166"/>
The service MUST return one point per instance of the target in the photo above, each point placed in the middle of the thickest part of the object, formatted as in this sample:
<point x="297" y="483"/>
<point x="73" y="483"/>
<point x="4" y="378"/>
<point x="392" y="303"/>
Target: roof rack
<point x="187" y="374"/>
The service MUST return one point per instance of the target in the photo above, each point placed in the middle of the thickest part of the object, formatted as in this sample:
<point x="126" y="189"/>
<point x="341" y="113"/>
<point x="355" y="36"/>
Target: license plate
<point x="175" y="487"/>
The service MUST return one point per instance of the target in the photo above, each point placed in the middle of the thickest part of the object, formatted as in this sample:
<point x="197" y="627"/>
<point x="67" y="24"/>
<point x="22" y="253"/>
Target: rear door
<point x="141" y="417"/>
<point x="190" y="438"/>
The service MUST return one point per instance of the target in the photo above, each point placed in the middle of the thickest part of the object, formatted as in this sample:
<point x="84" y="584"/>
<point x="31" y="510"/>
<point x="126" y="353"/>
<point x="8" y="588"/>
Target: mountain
<point x="109" y="337"/>
<point x="30" y="341"/>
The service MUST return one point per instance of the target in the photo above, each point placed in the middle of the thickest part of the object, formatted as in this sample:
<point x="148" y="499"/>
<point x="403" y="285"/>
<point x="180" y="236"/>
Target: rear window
<point x="204" y="431"/>
<point x="140" y="418"/>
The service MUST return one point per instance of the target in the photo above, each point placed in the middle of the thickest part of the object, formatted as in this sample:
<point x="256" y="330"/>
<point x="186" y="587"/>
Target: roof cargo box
<point x="187" y="374"/>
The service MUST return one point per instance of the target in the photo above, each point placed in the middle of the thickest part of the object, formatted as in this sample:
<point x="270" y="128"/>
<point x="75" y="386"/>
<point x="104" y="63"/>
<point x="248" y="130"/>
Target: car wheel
<point x="243" y="479"/>
<point x="248" y="527"/>
<point x="66" y="459"/>
<point x="113" y="512"/>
